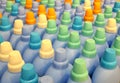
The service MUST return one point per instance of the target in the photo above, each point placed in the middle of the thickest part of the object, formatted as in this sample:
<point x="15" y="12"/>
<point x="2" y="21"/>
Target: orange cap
<point x="30" y="19"/>
<point x="38" y="0"/>
<point x="28" y="4"/>
<point x="0" y="15"/>
<point x="97" y="1"/>
<point x="51" y="14"/>
<point x="97" y="8"/>
<point x="41" y="9"/>
<point x="89" y="15"/>
<point x="68" y="1"/>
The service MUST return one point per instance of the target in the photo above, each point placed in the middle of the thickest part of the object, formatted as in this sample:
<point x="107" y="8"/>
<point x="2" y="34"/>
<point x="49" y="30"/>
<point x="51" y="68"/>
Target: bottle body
<point x="59" y="44"/>
<point x="3" y="68"/>
<point x="6" y="35"/>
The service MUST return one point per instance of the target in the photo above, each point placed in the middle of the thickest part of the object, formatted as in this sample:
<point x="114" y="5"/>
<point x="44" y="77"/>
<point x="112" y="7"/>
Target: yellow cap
<point x="111" y="26"/>
<point x="87" y="4"/>
<point x="46" y="50"/>
<point x="18" y="24"/>
<point x="42" y="23"/>
<point x="15" y="62"/>
<point x="5" y="50"/>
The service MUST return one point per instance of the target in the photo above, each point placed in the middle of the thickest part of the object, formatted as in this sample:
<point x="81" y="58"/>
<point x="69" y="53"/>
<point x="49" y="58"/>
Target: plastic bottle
<point x="16" y="33"/>
<point x="15" y="63"/>
<point x="35" y="8"/>
<point x="89" y="54"/>
<point x="5" y="50"/>
<point x="28" y="74"/>
<point x="79" y="73"/>
<point x="3" y="6"/>
<point x="108" y="70"/>
<point x="106" y="3"/>
<point x="46" y="79"/>
<point x="79" y="11"/>
<point x="51" y="31"/>
<point x="32" y="51"/>
<point x="60" y="68"/>
<point x="73" y="49"/>
<point x="111" y="30"/>
<point x="1" y="39"/>
<point x="62" y="37"/>
<point x="46" y="55"/>
<point x="87" y="32"/>
<point x="5" y="28"/>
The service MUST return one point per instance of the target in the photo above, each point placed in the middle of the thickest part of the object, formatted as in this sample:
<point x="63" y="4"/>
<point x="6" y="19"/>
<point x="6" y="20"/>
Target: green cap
<point x="66" y="18"/>
<point x="74" y="40"/>
<point x="108" y="12"/>
<point x="79" y="72"/>
<point x="51" y="27"/>
<point x="100" y="20"/>
<point x="116" y="45"/>
<point x="87" y="29"/>
<point x="100" y="37"/>
<point x="51" y="3"/>
<point x="63" y="34"/>
<point x="75" y="3"/>
<point x="9" y="6"/>
<point x="89" y="49"/>
<point x="118" y="17"/>
<point x="23" y="2"/>
<point x="44" y="2"/>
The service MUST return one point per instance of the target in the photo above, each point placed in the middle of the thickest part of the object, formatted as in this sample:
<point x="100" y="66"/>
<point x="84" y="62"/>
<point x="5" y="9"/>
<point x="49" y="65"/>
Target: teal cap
<point x="17" y="1"/>
<point x="14" y="11"/>
<point x="66" y="19"/>
<point x="63" y="34"/>
<point x="108" y="61"/>
<point x="87" y="29"/>
<point x="9" y="6"/>
<point x="108" y="12"/>
<point x="51" y="27"/>
<point x="79" y="72"/>
<point x="23" y="2"/>
<point x="75" y="3"/>
<point x="28" y="74"/>
<point x="5" y="24"/>
<point x="116" y="45"/>
<point x="51" y="3"/>
<point x="100" y="36"/>
<point x="118" y="17"/>
<point x="89" y="49"/>
<point x="44" y="2"/>
<point x="1" y="38"/>
<point x="116" y="6"/>
<point x="74" y="40"/>
<point x="100" y="20"/>
<point x="77" y="23"/>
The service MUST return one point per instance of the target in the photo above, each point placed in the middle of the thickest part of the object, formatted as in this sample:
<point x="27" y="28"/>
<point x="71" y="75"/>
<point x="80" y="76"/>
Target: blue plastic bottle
<point x="100" y="39"/>
<point x="79" y="73"/>
<point x="35" y="8"/>
<point x="16" y="33"/>
<point x="108" y="70"/>
<point x="32" y="50"/>
<point x="46" y="79"/>
<point x="15" y="63"/>
<point x="73" y="49"/>
<point x="5" y="28"/>
<point x="89" y="54"/>
<point x="28" y="74"/>
<point x="60" y="68"/>
<point x="51" y="30"/>
<point x="24" y="41"/>
<point x="14" y="13"/>
<point x="45" y="57"/>
<point x="62" y="37"/>
<point x="87" y="32"/>
<point x="79" y="11"/>
<point x="5" y="50"/>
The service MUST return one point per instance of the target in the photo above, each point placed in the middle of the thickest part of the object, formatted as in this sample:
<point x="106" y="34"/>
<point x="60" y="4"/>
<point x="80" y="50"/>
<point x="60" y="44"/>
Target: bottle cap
<point x="75" y="3"/>
<point x="89" y="15"/>
<point x="41" y="9"/>
<point x="28" y="4"/>
<point x="23" y="2"/>
<point x="35" y="40"/>
<point x="108" y="61"/>
<point x="87" y="29"/>
<point x="100" y="36"/>
<point x="116" y="6"/>
<point x="46" y="50"/>
<point x="74" y="40"/>
<point x="30" y="19"/>
<point x="44" y="2"/>
<point x="42" y="21"/>
<point x="118" y="17"/>
<point x="97" y="8"/>
<point x="14" y="11"/>
<point x="51" y="3"/>
<point x="51" y="14"/>
<point x="15" y="62"/>
<point x="108" y="12"/>
<point x="17" y="1"/>
<point x="79" y="72"/>
<point x="63" y="34"/>
<point x="5" y="50"/>
<point x="87" y="4"/>
<point x="51" y="27"/>
<point x="68" y="1"/>
<point x="9" y="6"/>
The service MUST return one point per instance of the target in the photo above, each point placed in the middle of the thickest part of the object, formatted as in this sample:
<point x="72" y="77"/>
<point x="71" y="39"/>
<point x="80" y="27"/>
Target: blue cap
<point x="14" y="11"/>
<point x="77" y="23"/>
<point x="35" y="40"/>
<point x="28" y="74"/>
<point x="17" y="1"/>
<point x="116" y="6"/>
<point x="5" y="24"/>
<point x="108" y="61"/>
<point x="1" y="38"/>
